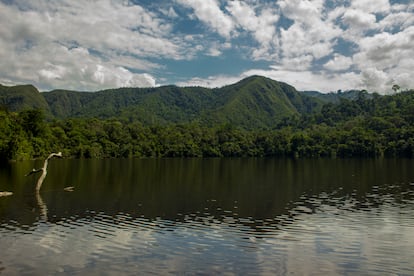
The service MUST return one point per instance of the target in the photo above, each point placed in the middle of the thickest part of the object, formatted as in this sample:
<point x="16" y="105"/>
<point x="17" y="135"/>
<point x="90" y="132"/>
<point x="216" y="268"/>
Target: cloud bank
<point x="321" y="45"/>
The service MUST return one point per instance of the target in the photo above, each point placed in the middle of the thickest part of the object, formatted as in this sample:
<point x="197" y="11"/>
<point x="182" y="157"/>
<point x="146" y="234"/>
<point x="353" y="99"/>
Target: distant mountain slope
<point x="22" y="97"/>
<point x="254" y="102"/>
<point x="160" y="105"/>
<point x="335" y="97"/>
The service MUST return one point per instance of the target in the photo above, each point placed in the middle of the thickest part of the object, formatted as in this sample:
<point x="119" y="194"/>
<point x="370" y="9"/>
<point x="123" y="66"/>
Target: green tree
<point x="396" y="88"/>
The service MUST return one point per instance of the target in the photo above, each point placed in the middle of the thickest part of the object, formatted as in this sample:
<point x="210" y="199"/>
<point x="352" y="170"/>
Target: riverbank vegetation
<point x="367" y="126"/>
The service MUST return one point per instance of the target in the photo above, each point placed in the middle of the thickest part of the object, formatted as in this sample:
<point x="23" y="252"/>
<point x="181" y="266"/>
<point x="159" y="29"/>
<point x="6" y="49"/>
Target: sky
<point x="322" y="45"/>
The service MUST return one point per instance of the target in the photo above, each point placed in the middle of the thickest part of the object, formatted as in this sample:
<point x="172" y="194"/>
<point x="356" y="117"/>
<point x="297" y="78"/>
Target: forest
<point x="369" y="125"/>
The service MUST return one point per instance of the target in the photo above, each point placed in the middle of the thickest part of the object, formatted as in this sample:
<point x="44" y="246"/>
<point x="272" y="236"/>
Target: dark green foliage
<point x="172" y="122"/>
<point x="22" y="97"/>
<point x="255" y="102"/>
<point x="32" y="121"/>
<point x="24" y="135"/>
<point x="337" y="96"/>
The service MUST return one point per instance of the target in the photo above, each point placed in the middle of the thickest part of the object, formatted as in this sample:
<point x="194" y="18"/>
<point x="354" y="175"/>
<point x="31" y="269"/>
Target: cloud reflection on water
<point x="243" y="216"/>
<point x="320" y="242"/>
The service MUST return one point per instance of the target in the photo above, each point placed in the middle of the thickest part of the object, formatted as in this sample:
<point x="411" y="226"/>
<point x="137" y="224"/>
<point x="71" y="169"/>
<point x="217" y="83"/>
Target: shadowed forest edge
<point x="367" y="126"/>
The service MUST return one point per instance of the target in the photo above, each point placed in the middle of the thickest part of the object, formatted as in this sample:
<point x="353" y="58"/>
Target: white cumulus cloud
<point x="371" y="6"/>
<point x="359" y="20"/>
<point x="59" y="44"/>
<point x="209" y="12"/>
<point x="338" y="63"/>
<point x="90" y="45"/>
<point x="262" y="26"/>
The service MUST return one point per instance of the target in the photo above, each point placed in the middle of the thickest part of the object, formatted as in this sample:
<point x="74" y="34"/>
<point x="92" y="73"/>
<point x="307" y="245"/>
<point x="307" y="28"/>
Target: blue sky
<point x="323" y="45"/>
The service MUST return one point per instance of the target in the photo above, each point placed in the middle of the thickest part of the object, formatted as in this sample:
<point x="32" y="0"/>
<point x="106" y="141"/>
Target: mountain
<point x="150" y="105"/>
<point x="22" y="97"/>
<point x="254" y="102"/>
<point x="257" y="101"/>
<point x="337" y="96"/>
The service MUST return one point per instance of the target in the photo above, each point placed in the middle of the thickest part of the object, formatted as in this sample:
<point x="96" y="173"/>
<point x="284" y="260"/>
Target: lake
<point x="209" y="216"/>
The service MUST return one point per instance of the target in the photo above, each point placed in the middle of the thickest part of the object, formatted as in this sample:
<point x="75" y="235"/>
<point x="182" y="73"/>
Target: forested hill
<point x="22" y="97"/>
<point x="254" y="117"/>
<point x="255" y="102"/>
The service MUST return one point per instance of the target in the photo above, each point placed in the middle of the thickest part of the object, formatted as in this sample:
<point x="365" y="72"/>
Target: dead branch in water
<point x="43" y="170"/>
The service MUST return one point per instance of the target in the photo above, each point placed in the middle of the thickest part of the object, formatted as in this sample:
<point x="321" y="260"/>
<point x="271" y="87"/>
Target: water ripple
<point x="334" y="231"/>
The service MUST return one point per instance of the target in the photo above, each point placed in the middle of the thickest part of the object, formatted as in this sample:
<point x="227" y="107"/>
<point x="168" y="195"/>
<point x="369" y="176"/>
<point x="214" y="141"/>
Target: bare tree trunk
<point x="43" y="176"/>
<point x="41" y="179"/>
<point x="43" y="170"/>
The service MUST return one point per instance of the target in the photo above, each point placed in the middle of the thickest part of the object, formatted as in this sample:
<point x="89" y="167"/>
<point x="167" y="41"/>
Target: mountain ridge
<point x="253" y="102"/>
<point x="21" y="97"/>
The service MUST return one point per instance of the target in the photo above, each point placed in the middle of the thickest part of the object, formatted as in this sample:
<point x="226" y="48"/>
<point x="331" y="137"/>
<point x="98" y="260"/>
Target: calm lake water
<point x="209" y="216"/>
